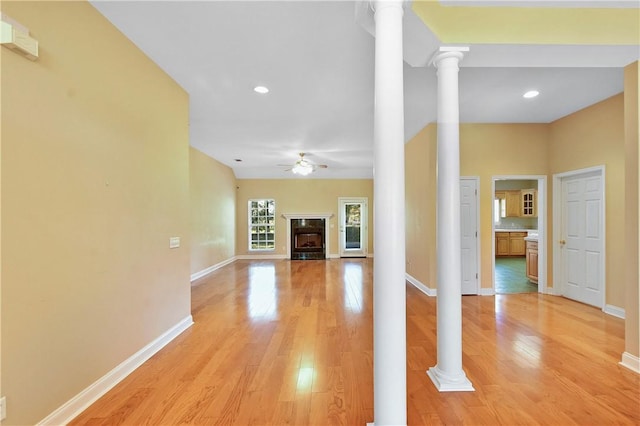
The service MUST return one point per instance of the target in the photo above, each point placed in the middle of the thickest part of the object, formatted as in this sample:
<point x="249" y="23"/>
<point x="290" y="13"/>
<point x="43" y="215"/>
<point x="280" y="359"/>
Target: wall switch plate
<point x="3" y="408"/>
<point x="174" y="242"/>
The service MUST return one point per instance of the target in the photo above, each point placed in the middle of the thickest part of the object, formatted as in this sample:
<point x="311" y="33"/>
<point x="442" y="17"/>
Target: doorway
<point x="519" y="234"/>
<point x="579" y="254"/>
<point x="353" y="226"/>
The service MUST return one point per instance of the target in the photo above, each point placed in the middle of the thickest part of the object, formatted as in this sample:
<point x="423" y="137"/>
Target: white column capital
<point x="446" y="52"/>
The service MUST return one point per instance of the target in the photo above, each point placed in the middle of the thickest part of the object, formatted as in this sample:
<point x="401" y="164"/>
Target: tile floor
<point x="511" y="276"/>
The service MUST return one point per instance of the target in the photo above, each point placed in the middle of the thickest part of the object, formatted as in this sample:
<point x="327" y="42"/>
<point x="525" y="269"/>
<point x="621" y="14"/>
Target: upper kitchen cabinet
<point x="517" y="203"/>
<point x="514" y="203"/>
<point x="529" y="200"/>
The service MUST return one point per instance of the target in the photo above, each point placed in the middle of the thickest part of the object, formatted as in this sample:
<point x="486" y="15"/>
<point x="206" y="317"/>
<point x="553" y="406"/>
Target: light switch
<point x="174" y="242"/>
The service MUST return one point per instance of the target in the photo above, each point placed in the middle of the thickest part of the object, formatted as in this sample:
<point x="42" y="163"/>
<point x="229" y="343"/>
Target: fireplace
<point x="307" y="239"/>
<point x="321" y="249"/>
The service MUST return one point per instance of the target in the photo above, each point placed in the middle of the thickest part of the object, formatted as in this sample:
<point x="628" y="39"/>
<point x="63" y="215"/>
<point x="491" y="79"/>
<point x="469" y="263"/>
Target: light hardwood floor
<point x="290" y="342"/>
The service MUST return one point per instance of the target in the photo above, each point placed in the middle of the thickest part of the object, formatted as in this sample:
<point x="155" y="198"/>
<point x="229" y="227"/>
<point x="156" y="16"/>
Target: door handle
<point x="562" y="242"/>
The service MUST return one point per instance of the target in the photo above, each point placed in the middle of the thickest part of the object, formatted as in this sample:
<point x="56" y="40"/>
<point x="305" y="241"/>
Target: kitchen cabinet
<point x="528" y="203"/>
<point x="510" y="243"/>
<point x="502" y="244"/>
<point x="517" y="246"/>
<point x="514" y="203"/>
<point x="518" y="203"/>
<point x="532" y="261"/>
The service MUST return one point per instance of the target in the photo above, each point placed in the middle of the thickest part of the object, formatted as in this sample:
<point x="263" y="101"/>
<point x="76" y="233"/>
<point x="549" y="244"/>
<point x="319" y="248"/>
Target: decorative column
<point x="389" y="291"/>
<point x="448" y="375"/>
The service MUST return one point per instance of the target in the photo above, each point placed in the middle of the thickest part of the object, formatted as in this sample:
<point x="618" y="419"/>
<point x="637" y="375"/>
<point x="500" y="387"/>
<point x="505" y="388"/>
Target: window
<point x="262" y="224"/>
<point x="499" y="209"/>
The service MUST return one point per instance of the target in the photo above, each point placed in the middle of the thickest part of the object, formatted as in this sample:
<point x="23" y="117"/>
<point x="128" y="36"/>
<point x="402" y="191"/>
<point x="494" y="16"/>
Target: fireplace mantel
<point x="290" y="216"/>
<point x="325" y="216"/>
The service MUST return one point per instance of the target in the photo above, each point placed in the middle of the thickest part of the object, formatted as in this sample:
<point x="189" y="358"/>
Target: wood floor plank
<point x="280" y="342"/>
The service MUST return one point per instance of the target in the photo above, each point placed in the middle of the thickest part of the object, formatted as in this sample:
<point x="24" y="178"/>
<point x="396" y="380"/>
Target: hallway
<point x="290" y="342"/>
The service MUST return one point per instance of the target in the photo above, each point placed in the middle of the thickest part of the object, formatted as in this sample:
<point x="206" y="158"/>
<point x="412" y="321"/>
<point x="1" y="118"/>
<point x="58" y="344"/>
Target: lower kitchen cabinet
<point x="532" y="261"/>
<point x="517" y="246"/>
<point x="510" y="243"/>
<point x="502" y="244"/>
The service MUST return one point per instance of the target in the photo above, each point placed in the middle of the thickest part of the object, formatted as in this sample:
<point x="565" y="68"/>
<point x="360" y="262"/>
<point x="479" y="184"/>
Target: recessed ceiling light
<point x="261" y="89"/>
<point x="531" y="94"/>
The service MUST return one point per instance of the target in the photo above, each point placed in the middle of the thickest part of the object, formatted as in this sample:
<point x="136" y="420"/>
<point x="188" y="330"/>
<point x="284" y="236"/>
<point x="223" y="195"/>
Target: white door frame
<point x="476" y="179"/>
<point x="542" y="229"/>
<point x="364" y="226"/>
<point x="558" y="269"/>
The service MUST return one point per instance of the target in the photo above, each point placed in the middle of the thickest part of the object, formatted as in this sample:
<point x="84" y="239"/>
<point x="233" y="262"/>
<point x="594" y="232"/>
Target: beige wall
<point x="95" y="181"/>
<point x="420" y="200"/>
<point x="631" y="98"/>
<point x="299" y="196"/>
<point x="591" y="137"/>
<point x="486" y="150"/>
<point x="213" y="211"/>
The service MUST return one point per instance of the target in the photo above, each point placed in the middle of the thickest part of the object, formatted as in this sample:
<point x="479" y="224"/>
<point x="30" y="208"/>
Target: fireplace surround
<point x="307" y="239"/>
<point x="308" y="235"/>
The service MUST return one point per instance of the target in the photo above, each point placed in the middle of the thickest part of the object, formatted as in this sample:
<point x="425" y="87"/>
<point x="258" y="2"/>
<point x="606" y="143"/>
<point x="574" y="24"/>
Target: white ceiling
<point x="317" y="60"/>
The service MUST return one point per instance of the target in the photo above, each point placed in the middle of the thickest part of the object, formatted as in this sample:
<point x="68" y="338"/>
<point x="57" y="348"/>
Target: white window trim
<point x="250" y="225"/>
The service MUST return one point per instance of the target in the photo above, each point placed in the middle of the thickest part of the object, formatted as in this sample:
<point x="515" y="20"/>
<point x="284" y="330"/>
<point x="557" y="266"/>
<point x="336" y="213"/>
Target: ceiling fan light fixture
<point x="302" y="167"/>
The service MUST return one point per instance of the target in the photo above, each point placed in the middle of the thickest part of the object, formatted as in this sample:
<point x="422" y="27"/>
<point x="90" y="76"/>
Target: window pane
<point x="262" y="223"/>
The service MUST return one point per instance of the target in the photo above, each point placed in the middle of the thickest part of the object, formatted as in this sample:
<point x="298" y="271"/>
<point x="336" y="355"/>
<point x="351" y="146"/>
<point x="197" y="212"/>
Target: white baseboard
<point x="487" y="292"/>
<point x="210" y="269"/>
<point x="261" y="256"/>
<point x="614" y="310"/>
<point x="431" y="292"/>
<point x="76" y="405"/>
<point x="279" y="256"/>
<point x="631" y="362"/>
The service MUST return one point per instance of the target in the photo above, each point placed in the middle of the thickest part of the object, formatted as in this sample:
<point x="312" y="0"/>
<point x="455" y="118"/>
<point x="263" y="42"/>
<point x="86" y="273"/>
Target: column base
<point x="445" y="383"/>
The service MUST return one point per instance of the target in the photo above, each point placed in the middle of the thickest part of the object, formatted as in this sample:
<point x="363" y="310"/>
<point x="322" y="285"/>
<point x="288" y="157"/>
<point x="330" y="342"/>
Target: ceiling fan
<point x="303" y="167"/>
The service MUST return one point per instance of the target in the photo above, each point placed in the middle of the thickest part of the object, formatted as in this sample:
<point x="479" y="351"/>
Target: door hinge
<point x="476" y="275"/>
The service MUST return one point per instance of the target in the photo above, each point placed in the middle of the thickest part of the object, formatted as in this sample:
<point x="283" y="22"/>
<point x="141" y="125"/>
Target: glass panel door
<point x="353" y="227"/>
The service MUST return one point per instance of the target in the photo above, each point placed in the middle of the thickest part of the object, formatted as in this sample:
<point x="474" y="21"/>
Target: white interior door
<point x="469" y="234"/>
<point x="581" y="240"/>
<point x="353" y="227"/>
